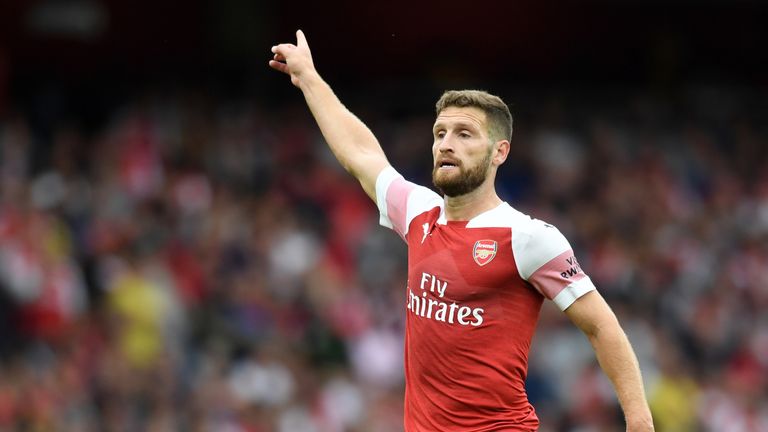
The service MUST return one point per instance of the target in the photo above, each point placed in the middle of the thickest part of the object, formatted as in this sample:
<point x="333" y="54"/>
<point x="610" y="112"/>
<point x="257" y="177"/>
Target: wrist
<point x="640" y="424"/>
<point x="309" y="80"/>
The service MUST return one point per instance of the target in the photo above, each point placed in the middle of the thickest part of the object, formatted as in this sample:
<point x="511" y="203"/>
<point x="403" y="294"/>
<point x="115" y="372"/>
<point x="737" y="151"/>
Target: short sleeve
<point x="546" y="260"/>
<point x="399" y="201"/>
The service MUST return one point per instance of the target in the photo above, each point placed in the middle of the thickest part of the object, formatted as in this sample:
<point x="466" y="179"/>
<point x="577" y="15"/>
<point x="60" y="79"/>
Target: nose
<point x="445" y="144"/>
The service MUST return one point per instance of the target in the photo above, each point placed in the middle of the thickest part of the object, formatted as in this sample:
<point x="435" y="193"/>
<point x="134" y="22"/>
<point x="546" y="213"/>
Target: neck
<point x="465" y="207"/>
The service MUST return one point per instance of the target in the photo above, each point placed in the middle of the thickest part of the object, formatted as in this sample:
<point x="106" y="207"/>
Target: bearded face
<point x="453" y="178"/>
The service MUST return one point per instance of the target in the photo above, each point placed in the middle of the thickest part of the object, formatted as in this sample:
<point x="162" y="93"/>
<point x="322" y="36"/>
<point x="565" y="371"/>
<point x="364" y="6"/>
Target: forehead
<point x="461" y="115"/>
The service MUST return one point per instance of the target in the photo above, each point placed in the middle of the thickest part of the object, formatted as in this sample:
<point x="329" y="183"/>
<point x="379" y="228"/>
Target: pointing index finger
<point x="301" y="40"/>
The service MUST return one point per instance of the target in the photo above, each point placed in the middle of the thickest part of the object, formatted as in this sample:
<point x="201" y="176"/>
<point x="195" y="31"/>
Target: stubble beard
<point x="465" y="181"/>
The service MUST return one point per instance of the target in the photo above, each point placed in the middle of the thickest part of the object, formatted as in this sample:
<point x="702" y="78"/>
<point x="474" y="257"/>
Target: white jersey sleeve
<point x="545" y="259"/>
<point x="399" y="201"/>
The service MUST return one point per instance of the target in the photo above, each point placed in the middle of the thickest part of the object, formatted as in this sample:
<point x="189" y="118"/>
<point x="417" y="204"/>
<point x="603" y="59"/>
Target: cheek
<point x="477" y="150"/>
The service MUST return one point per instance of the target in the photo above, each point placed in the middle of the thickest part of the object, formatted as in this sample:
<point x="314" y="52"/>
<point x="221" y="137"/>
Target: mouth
<point x="447" y="164"/>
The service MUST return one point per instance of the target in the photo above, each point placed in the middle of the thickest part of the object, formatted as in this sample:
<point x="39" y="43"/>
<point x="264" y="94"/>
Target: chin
<point x="441" y="176"/>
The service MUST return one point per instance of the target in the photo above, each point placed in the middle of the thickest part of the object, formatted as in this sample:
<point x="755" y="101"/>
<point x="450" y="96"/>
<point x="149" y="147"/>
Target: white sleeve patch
<point x="537" y="247"/>
<point x="572" y="292"/>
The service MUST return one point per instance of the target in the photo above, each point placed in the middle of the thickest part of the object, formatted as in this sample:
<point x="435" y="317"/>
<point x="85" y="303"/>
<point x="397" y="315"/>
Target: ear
<point x="501" y="151"/>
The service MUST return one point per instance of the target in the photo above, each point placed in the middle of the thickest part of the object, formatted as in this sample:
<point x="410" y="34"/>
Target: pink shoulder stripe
<point x="397" y="204"/>
<point x="556" y="274"/>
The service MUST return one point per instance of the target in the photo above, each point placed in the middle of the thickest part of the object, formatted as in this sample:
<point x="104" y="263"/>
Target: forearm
<point x="618" y="361"/>
<point x="350" y="140"/>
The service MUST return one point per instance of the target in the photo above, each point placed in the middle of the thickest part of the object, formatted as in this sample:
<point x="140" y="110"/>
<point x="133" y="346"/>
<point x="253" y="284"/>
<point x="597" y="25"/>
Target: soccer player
<point x="479" y="270"/>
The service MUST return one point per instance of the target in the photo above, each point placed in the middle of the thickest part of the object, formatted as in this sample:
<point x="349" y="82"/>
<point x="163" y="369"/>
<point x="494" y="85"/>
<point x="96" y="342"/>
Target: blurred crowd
<point x="201" y="264"/>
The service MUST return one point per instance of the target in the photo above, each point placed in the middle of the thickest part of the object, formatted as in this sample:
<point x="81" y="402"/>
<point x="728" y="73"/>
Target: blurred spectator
<point x="201" y="264"/>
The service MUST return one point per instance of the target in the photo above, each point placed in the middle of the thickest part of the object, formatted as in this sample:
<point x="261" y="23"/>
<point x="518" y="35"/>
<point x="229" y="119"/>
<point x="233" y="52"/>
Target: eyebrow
<point x="457" y="125"/>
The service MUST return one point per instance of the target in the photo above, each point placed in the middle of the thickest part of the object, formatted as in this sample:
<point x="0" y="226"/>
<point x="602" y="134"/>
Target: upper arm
<point x="367" y="169"/>
<point x="590" y="313"/>
<point x="546" y="260"/>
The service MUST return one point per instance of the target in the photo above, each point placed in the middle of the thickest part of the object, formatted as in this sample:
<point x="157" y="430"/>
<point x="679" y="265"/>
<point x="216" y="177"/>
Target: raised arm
<point x="353" y="144"/>
<point x="614" y="353"/>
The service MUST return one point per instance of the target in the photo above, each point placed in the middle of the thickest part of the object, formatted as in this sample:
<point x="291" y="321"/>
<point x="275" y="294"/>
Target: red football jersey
<point x="474" y="293"/>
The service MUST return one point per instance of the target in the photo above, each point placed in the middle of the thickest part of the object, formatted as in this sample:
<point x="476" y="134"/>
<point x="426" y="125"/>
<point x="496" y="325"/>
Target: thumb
<point x="301" y="40"/>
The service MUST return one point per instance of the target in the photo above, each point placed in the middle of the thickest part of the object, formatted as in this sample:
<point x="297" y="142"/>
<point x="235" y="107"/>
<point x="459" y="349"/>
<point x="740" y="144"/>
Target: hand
<point x="294" y="60"/>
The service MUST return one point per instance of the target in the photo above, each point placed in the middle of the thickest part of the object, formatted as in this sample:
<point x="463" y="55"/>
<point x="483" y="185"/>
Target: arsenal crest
<point x="484" y="251"/>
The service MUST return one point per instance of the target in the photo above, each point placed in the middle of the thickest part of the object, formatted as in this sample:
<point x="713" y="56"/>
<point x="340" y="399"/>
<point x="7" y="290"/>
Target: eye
<point x="439" y="134"/>
<point x="464" y="134"/>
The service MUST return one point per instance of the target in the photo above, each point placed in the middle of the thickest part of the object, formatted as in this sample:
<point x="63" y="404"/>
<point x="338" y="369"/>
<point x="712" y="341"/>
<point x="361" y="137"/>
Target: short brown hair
<point x="496" y="111"/>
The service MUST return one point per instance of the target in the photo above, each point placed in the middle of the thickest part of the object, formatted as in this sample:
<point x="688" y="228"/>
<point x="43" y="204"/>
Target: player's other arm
<point x="594" y="317"/>
<point x="353" y="144"/>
